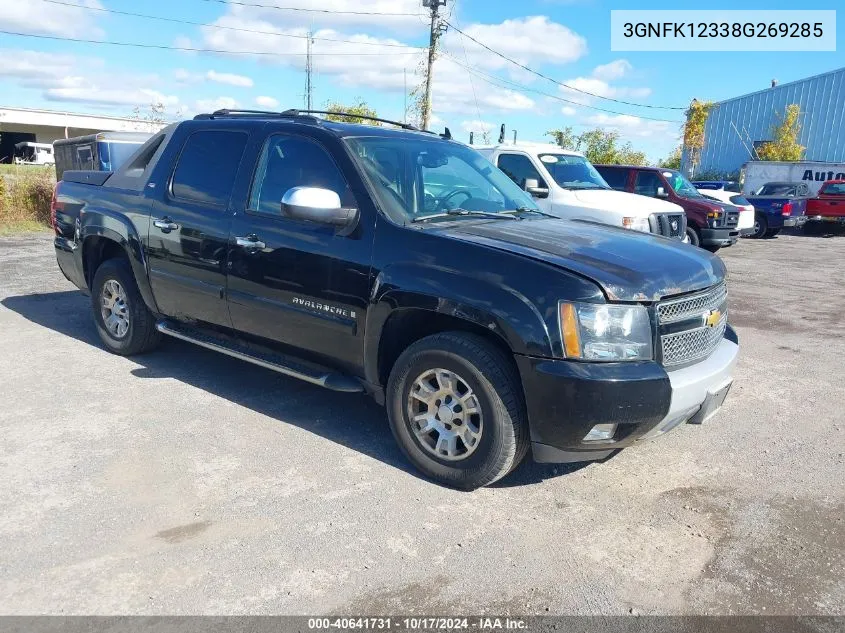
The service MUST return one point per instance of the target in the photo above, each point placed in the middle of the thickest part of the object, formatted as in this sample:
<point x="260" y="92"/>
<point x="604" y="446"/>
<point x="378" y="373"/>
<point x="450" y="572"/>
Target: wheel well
<point x="95" y="251"/>
<point x="405" y="327"/>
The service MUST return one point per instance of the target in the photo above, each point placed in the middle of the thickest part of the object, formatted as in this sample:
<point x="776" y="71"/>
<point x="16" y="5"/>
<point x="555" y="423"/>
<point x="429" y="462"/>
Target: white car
<point x="746" y="209"/>
<point x="565" y="184"/>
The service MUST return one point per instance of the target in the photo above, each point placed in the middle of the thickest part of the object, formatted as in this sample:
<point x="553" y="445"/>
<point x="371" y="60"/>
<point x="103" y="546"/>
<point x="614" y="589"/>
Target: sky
<point x="374" y="50"/>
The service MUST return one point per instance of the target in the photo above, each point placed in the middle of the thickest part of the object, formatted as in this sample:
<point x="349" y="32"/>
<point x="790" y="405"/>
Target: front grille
<point x="692" y="345"/>
<point x="673" y="310"/>
<point x="686" y="335"/>
<point x="668" y="224"/>
<point x="731" y="219"/>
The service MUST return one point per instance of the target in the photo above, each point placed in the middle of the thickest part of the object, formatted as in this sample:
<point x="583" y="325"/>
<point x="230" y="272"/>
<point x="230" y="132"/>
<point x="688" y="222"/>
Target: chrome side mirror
<point x="661" y="193"/>
<point x="532" y="186"/>
<point x="321" y="206"/>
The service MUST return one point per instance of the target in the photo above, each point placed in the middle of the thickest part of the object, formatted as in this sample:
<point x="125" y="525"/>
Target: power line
<point x="270" y="6"/>
<point x="560" y="83"/>
<point x="220" y="26"/>
<point x="186" y="48"/>
<point x="499" y="81"/>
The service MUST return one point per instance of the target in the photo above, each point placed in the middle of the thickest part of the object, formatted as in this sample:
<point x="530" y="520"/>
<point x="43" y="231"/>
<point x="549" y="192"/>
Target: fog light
<point x="601" y="432"/>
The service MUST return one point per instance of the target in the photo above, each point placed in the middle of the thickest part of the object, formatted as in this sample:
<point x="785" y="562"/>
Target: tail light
<point x="55" y="207"/>
<point x="787" y="209"/>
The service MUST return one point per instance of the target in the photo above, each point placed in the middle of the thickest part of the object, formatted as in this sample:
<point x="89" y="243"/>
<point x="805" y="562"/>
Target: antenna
<point x="471" y="137"/>
<point x="502" y="134"/>
<point x="309" y="69"/>
<point x="514" y="137"/>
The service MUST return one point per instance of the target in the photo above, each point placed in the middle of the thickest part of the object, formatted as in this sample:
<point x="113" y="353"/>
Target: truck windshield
<point x="775" y="189"/>
<point x="834" y="189"/>
<point x="573" y="172"/>
<point x="681" y="185"/>
<point x="416" y="177"/>
<point x="113" y="154"/>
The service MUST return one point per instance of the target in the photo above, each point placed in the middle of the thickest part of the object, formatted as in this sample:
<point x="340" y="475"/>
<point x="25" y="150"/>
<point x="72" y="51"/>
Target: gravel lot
<point x="188" y="482"/>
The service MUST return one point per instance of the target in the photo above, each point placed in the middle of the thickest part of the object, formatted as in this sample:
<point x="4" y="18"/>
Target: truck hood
<point x="627" y="203"/>
<point x="627" y="265"/>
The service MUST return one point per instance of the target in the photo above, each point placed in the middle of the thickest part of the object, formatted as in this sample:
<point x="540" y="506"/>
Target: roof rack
<point x="287" y="114"/>
<point x="404" y="126"/>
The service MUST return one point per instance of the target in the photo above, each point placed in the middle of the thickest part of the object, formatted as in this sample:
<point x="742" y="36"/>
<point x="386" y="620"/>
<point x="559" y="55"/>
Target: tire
<point x="760" y="227"/>
<point x="694" y="237"/>
<point x="772" y="232"/>
<point x="133" y="330"/>
<point x="484" y="379"/>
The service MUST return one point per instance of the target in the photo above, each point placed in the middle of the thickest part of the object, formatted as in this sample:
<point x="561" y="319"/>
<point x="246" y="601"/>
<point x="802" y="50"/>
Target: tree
<point x="599" y="146"/>
<point x="361" y="109"/>
<point x="697" y="116"/>
<point x="784" y="144"/>
<point x="565" y="138"/>
<point x="154" y="116"/>
<point x="672" y="161"/>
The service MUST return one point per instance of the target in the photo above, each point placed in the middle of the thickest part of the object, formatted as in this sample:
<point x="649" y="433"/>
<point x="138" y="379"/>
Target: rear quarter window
<point x="616" y="178"/>
<point x="207" y="166"/>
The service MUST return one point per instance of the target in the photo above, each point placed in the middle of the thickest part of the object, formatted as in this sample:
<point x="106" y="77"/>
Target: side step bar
<point x="287" y="365"/>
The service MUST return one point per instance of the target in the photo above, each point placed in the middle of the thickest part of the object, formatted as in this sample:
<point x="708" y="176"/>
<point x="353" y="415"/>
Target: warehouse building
<point x="45" y="126"/>
<point x="737" y="126"/>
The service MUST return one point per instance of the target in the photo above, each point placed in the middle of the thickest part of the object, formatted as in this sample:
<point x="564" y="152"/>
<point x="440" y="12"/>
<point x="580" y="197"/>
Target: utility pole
<point x="434" y="6"/>
<point x="309" y="69"/>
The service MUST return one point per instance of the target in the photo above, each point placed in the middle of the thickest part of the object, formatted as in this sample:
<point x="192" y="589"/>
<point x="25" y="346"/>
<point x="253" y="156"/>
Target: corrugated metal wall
<point x="734" y="124"/>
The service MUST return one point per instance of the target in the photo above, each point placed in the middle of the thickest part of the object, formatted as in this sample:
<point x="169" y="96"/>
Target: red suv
<point x="710" y="224"/>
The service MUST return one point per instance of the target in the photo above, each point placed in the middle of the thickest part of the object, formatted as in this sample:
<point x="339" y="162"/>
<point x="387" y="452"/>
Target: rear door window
<point x="206" y="169"/>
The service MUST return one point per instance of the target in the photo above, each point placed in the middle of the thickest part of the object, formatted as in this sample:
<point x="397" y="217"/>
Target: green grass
<point x="16" y="227"/>
<point x="22" y="170"/>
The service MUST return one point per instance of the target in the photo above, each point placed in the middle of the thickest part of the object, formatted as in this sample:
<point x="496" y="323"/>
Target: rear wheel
<point x="772" y="232"/>
<point x="760" y="227"/>
<point x="455" y="407"/>
<point x="124" y="323"/>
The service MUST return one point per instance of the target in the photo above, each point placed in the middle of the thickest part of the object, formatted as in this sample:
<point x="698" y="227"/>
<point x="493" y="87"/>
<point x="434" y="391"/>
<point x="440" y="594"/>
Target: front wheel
<point x="692" y="234"/>
<point x="124" y="323"/>
<point x="772" y="232"/>
<point x="455" y="407"/>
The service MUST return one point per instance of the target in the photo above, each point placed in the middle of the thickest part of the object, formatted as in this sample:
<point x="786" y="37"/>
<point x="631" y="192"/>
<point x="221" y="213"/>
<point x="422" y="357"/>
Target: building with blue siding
<point x="737" y="125"/>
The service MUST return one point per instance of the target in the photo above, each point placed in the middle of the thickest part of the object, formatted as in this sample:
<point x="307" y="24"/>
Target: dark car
<point x="404" y="265"/>
<point x="710" y="224"/>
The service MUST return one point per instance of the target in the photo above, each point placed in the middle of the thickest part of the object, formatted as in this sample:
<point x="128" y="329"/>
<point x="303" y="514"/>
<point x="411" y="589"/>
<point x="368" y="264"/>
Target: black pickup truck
<point x="402" y="264"/>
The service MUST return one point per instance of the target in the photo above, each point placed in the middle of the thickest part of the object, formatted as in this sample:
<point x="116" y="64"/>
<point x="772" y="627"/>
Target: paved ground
<point x="188" y="482"/>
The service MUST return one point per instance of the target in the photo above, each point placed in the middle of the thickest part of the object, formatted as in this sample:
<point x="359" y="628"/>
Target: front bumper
<point x="719" y="237"/>
<point x="566" y="399"/>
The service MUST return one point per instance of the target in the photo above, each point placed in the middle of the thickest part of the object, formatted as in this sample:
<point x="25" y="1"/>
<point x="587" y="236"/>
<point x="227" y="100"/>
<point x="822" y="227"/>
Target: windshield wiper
<point x="529" y="210"/>
<point x="463" y="212"/>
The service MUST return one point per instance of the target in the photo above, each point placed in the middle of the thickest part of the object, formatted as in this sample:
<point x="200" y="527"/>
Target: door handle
<point x="250" y="242"/>
<point x="165" y="224"/>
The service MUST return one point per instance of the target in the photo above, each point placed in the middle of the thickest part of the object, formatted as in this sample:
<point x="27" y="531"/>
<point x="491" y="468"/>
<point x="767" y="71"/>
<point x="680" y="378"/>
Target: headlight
<point x="602" y="332"/>
<point x="636" y="224"/>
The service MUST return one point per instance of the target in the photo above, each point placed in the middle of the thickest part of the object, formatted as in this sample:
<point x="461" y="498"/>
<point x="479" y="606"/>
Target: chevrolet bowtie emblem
<point x="712" y="318"/>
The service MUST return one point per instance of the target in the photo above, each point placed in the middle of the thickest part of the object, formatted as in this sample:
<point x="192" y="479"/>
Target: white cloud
<point x="480" y="127"/>
<point x="374" y="14"/>
<point x="267" y="102"/>
<point x="77" y="79"/>
<point x="586" y="90"/>
<point x="569" y="110"/>
<point x="529" y="40"/>
<point x="33" y="16"/>
<point x="210" y="105"/>
<point x="230" y="79"/>
<point x="632" y="126"/>
<point x="614" y="70"/>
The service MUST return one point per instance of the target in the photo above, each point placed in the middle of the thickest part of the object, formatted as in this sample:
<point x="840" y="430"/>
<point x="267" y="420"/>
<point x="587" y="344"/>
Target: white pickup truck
<point x="565" y="184"/>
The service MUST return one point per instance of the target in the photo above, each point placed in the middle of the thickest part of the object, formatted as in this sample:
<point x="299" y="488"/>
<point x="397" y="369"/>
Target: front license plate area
<point x="711" y="405"/>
